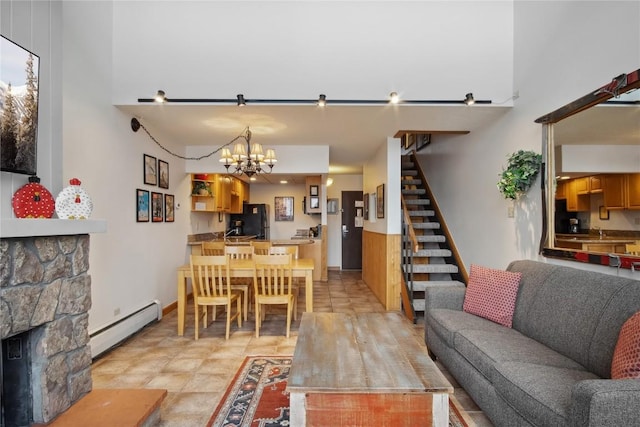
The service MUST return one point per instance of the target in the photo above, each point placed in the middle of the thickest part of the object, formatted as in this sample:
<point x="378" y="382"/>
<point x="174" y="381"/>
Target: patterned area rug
<point x="257" y="397"/>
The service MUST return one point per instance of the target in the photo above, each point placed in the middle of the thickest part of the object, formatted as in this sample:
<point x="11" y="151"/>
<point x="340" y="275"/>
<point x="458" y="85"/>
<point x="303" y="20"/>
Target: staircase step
<point x="431" y="268"/>
<point x="407" y="165"/>
<point x="421" y="285"/>
<point x="430" y="253"/>
<point x="431" y="238"/>
<point x="426" y="225"/>
<point x="411" y="182"/>
<point x="414" y="191"/>
<point x="419" y="202"/>
<point x="417" y="213"/>
<point x="409" y="172"/>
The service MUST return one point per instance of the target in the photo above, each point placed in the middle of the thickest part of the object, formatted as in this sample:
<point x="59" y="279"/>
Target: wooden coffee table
<point x="364" y="369"/>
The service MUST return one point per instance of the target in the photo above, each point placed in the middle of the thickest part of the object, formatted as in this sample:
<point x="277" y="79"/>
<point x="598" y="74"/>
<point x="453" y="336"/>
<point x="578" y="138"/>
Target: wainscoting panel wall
<point x="381" y="267"/>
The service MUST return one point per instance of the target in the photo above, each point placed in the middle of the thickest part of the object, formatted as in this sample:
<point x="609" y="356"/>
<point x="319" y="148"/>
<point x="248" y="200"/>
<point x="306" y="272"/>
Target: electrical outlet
<point x="116" y="312"/>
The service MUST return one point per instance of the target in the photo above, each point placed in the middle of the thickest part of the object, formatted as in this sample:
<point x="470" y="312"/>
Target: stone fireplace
<point x="45" y="289"/>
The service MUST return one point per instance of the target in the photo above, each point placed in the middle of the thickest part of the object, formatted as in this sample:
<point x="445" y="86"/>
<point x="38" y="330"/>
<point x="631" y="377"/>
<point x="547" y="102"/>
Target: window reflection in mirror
<point x="593" y="163"/>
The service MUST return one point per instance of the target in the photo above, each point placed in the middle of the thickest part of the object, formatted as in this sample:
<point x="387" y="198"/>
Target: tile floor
<point x="196" y="373"/>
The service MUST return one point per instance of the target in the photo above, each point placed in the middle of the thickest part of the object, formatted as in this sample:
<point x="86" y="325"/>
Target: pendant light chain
<point x="135" y="125"/>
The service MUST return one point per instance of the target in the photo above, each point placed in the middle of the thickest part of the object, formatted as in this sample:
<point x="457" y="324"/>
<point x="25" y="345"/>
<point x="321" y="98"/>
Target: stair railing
<point x="409" y="246"/>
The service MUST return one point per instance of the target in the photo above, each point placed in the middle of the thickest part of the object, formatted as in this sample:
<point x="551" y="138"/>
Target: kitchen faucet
<point x="599" y="231"/>
<point x="227" y="234"/>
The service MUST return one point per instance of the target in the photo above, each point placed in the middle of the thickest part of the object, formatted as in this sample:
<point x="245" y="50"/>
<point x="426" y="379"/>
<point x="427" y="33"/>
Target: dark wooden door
<point x="352" y="221"/>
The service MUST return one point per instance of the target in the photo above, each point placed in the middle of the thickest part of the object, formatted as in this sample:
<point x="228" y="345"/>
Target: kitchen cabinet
<point x="202" y="193"/>
<point x="595" y="184"/>
<point x="583" y="185"/>
<point x="561" y="190"/>
<point x="576" y="202"/>
<point x="313" y="251"/>
<point x="223" y="193"/>
<point x="314" y="194"/>
<point x="633" y="191"/>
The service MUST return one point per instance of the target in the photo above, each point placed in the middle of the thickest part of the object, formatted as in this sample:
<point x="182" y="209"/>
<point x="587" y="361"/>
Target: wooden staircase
<point x="427" y="255"/>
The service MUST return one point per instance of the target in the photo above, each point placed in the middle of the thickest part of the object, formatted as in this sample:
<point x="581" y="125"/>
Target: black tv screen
<point x="19" y="70"/>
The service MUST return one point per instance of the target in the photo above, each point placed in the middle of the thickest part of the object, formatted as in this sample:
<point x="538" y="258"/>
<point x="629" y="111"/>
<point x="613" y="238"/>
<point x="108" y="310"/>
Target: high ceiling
<point x="353" y="133"/>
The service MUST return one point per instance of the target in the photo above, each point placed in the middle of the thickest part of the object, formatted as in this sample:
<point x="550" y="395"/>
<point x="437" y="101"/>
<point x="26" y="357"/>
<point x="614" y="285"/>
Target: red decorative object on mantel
<point x="33" y="200"/>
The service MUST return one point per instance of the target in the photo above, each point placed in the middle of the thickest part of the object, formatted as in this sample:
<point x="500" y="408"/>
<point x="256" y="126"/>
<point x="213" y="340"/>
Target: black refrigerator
<point x="255" y="218"/>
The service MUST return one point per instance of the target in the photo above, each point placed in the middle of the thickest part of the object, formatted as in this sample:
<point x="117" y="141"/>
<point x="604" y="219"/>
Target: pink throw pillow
<point x="626" y="355"/>
<point x="492" y="294"/>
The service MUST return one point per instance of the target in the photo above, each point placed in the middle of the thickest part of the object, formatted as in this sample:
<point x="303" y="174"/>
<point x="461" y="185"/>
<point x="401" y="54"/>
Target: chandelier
<point x="248" y="158"/>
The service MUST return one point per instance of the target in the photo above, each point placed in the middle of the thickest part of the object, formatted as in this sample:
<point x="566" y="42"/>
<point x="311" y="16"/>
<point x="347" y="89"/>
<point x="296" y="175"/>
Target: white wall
<point x="133" y="263"/>
<point x="299" y="49"/>
<point x="384" y="168"/>
<point x="36" y="26"/>
<point x="463" y="170"/>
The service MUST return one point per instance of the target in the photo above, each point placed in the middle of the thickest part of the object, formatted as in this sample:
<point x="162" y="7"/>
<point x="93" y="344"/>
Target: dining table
<point x="301" y="268"/>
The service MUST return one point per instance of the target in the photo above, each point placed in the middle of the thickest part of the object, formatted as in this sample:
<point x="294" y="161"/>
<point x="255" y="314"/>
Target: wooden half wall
<point x="381" y="266"/>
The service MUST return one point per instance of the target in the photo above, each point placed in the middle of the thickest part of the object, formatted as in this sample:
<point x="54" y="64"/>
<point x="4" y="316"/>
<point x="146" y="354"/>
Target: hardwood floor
<point x="196" y="373"/>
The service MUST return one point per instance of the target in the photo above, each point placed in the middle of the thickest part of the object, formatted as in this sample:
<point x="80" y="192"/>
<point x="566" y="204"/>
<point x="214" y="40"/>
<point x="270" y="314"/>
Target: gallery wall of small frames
<point x="154" y="206"/>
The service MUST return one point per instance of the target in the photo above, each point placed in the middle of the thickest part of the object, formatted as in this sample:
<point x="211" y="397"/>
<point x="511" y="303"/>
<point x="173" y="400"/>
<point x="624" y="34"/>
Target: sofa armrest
<point x="606" y="402"/>
<point x="449" y="297"/>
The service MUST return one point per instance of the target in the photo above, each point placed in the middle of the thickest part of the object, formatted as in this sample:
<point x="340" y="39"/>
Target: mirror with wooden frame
<point x="591" y="184"/>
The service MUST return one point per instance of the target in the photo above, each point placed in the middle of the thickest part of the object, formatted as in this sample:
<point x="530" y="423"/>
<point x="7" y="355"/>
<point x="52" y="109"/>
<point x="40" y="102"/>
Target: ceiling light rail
<point x="321" y="101"/>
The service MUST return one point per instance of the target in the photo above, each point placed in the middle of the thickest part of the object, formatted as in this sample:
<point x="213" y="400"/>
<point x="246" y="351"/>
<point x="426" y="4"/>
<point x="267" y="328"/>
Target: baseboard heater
<point x="111" y="335"/>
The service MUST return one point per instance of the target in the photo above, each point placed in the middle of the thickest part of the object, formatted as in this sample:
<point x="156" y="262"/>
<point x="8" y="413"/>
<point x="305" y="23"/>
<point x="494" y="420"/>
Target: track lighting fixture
<point x="160" y="97"/>
<point x="321" y="101"/>
<point x="468" y="99"/>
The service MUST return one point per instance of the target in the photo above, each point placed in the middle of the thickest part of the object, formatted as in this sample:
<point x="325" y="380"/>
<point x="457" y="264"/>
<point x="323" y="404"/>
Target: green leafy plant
<point x="521" y="172"/>
<point x="201" y="188"/>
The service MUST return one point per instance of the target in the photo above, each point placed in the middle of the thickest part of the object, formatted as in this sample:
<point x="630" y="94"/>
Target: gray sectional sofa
<point x="553" y="367"/>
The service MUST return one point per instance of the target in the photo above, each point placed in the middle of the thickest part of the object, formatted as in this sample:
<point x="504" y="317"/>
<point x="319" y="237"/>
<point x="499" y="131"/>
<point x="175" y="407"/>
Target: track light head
<point x="468" y="99"/>
<point x="322" y="100"/>
<point x="394" y="98"/>
<point x="160" y="96"/>
<point x="241" y="101"/>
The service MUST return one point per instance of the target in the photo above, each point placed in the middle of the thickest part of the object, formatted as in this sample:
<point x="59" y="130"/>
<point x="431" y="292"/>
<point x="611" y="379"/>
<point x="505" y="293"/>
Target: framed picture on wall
<point x="142" y="205"/>
<point x="169" y="208"/>
<point x="314" y="202"/>
<point x="380" y="201"/>
<point x="156" y="207"/>
<point x="163" y="174"/>
<point x="283" y="208"/>
<point x="150" y="170"/>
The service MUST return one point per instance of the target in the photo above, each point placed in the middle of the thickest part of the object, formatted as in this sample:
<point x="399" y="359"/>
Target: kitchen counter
<point x="246" y="240"/>
<point x="591" y="243"/>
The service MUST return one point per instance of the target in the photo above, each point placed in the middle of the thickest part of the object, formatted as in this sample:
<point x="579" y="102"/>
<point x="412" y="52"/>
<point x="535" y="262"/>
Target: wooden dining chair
<point x="241" y="283"/>
<point x="213" y="248"/>
<point x="212" y="288"/>
<point x="272" y="286"/>
<point x="261" y="247"/>
<point x="297" y="283"/>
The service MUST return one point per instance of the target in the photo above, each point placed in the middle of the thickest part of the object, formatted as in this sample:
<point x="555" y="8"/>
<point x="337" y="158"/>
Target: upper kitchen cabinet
<point x="622" y="191"/>
<point x="239" y="195"/>
<point x="202" y="193"/>
<point x="314" y="196"/>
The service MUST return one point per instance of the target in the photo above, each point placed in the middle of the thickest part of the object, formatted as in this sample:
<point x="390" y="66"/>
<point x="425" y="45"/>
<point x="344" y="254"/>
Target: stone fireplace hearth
<point x="45" y="288"/>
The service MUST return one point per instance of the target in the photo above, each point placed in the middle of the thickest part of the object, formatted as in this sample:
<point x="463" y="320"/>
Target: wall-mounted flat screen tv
<point x="19" y="70"/>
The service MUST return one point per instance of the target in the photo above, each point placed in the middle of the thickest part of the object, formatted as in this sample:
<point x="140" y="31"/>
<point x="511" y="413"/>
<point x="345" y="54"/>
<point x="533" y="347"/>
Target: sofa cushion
<point x="542" y="394"/>
<point x="484" y="349"/>
<point x="576" y="312"/>
<point x="492" y="294"/>
<point x="626" y="356"/>
<point x="446" y="323"/>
